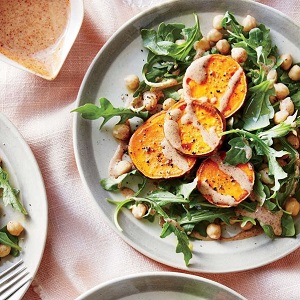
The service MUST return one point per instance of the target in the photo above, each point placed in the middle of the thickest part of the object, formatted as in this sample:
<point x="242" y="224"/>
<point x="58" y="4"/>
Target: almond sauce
<point x="32" y="33"/>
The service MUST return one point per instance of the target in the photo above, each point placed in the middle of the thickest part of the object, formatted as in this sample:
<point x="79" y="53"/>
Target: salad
<point x="218" y="142"/>
<point x="11" y="232"/>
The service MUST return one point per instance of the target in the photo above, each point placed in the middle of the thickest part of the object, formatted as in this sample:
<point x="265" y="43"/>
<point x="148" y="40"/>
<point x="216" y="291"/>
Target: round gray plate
<point x="161" y="286"/>
<point x="123" y="54"/>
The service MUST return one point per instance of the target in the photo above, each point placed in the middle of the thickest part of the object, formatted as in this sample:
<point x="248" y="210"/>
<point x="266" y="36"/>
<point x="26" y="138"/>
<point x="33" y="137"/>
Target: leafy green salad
<point x="266" y="126"/>
<point x="10" y="233"/>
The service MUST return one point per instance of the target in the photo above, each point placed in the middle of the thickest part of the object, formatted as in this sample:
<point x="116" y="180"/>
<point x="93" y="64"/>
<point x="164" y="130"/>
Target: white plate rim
<point x="77" y="122"/>
<point x="164" y="274"/>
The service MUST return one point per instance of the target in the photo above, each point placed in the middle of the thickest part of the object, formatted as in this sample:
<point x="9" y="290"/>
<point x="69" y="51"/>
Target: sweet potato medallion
<point x="218" y="144"/>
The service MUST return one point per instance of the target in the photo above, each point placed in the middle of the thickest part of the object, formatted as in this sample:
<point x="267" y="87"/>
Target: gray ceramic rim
<point x="135" y="284"/>
<point x="85" y="147"/>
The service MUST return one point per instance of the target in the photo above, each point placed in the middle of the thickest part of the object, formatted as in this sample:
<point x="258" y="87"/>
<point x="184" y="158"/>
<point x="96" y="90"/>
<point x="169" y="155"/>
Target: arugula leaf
<point x="211" y="215"/>
<point x="280" y="130"/>
<point x="6" y="240"/>
<point x="229" y="22"/>
<point x="288" y="225"/>
<point x="268" y="229"/>
<point x="263" y="149"/>
<point x="240" y="151"/>
<point x="183" y="244"/>
<point x="259" y="190"/>
<point x="10" y="195"/>
<point x="115" y="184"/>
<point x="120" y="205"/>
<point x="163" y="42"/>
<point x="185" y="189"/>
<point x="258" y="110"/>
<point x="257" y="42"/>
<point x="296" y="99"/>
<point x="107" y="111"/>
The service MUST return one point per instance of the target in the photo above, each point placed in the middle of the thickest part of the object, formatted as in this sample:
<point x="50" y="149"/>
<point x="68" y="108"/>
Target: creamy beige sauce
<point x="217" y="197"/>
<point x="32" y="32"/>
<point x="171" y="131"/>
<point x="265" y="217"/>
<point x="118" y="156"/>
<point x="236" y="173"/>
<point x="171" y="128"/>
<point x="231" y="86"/>
<point x="171" y="154"/>
<point x="197" y="72"/>
<point x="254" y="231"/>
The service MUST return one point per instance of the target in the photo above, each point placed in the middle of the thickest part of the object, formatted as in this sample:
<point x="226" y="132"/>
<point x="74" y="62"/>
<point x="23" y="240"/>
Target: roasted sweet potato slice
<point x="153" y="155"/>
<point x="194" y="128"/>
<point x="224" y="185"/>
<point x="217" y="79"/>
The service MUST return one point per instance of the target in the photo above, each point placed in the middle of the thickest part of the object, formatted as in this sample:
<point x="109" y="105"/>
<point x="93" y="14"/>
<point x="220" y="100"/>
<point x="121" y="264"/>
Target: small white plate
<point x="59" y="52"/>
<point x="24" y="174"/>
<point x="161" y="286"/>
<point x="124" y="54"/>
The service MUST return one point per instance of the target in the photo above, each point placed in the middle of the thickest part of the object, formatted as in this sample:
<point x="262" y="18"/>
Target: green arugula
<point x="9" y="240"/>
<point x="258" y="110"/>
<point x="107" y="111"/>
<point x="167" y="59"/>
<point x="10" y="194"/>
<point x="163" y="41"/>
<point x="115" y="184"/>
<point x="262" y="148"/>
<point x="257" y="42"/>
<point x="183" y="243"/>
<point x="240" y="151"/>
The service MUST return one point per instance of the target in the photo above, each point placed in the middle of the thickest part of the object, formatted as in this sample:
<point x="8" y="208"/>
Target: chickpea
<point x="249" y="23"/>
<point x="132" y="82"/>
<point x="288" y="105"/>
<point x="203" y="44"/>
<point x="121" y="132"/>
<point x="223" y="46"/>
<point x="4" y="250"/>
<point x="287" y="61"/>
<point x="217" y="22"/>
<point x="14" y="228"/>
<point x="293" y="141"/>
<point x="214" y="231"/>
<point x="168" y="103"/>
<point x="122" y="167"/>
<point x="272" y="75"/>
<point x="265" y="178"/>
<point x="139" y="210"/>
<point x="292" y="206"/>
<point x="280" y="116"/>
<point x="281" y="90"/>
<point x="239" y="54"/>
<point x="294" y="73"/>
<point x="214" y="35"/>
<point x="149" y="100"/>
<point x="247" y="226"/>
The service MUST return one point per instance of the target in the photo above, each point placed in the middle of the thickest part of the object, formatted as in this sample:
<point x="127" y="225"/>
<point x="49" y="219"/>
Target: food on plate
<point x="10" y="232"/>
<point x="224" y="185"/>
<point x="153" y="155"/>
<point x="194" y="127"/>
<point x="228" y="100"/>
<point x="217" y="79"/>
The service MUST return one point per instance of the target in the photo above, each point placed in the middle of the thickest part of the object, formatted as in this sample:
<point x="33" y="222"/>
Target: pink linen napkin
<point x="82" y="251"/>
